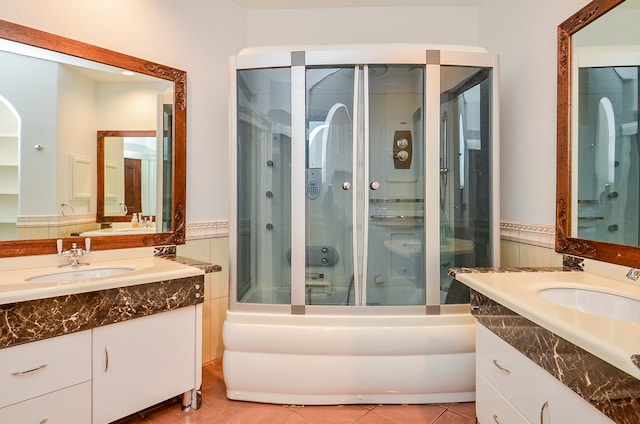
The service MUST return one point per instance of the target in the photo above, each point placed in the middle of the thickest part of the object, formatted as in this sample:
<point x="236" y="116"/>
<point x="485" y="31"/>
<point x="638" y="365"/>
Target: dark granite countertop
<point x="205" y="266"/>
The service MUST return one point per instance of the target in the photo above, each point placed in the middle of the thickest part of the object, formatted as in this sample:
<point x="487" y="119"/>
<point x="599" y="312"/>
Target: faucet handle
<point x="633" y="274"/>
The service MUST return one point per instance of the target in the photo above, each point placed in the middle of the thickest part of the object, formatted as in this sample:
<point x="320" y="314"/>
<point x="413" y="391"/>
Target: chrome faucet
<point x="74" y="253"/>
<point x="633" y="274"/>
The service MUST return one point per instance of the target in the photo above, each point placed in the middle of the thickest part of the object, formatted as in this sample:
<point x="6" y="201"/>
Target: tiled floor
<point x="217" y="409"/>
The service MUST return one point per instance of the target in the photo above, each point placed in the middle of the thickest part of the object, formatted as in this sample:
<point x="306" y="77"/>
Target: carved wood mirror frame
<point x="101" y="216"/>
<point x="37" y="38"/>
<point x="601" y="251"/>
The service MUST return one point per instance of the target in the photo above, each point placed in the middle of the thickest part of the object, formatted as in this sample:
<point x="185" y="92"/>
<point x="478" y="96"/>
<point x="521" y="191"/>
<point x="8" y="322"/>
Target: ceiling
<point x="314" y="4"/>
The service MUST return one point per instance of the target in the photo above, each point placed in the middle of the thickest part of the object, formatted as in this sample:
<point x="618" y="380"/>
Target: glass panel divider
<point x="298" y="166"/>
<point x="432" y="184"/>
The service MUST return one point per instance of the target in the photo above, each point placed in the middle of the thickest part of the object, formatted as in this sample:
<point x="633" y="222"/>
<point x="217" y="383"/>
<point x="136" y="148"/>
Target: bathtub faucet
<point x="633" y="274"/>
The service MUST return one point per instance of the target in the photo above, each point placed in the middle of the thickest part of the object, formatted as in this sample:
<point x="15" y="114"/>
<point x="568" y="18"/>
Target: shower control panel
<point x="402" y="149"/>
<point x="313" y="183"/>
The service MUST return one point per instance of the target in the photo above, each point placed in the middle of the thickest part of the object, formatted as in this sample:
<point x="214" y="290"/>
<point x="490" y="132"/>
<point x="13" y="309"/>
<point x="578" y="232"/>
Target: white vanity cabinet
<point x="47" y="381"/>
<point x="143" y="361"/>
<point x="100" y="375"/>
<point x="510" y="388"/>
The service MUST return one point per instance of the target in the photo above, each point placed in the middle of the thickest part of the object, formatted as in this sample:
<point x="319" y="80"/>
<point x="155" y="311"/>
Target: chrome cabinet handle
<point x="106" y="359"/>
<point x="29" y="371"/>
<point x="544" y="406"/>
<point x="495" y="362"/>
<point x="495" y="418"/>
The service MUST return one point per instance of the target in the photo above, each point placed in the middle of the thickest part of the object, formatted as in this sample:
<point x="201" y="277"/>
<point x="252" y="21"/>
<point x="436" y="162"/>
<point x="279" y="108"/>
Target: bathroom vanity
<point x="513" y="389"/>
<point x="94" y="343"/>
<point x="543" y="360"/>
<point x="93" y="350"/>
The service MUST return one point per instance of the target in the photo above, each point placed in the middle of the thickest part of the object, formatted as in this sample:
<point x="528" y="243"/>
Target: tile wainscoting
<point x="528" y="245"/>
<point x="209" y="242"/>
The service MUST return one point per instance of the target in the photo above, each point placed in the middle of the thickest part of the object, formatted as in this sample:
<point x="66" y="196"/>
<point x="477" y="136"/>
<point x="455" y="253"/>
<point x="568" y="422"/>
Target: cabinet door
<point x="69" y="406"/>
<point x="563" y="405"/>
<point x="141" y="362"/>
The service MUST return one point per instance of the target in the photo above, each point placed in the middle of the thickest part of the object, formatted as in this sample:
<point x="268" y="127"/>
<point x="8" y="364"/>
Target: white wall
<point x="430" y="25"/>
<point x="128" y="106"/>
<point x="76" y="137"/>
<point x="31" y="86"/>
<point x="524" y="34"/>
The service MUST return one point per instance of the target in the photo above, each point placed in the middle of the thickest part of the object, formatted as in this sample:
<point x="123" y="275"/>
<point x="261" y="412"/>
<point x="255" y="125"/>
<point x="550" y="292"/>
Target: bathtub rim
<point x="332" y="315"/>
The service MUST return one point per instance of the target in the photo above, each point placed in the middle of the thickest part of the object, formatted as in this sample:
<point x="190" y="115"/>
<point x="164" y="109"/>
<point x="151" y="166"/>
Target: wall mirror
<point x="598" y="156"/>
<point x="56" y="94"/>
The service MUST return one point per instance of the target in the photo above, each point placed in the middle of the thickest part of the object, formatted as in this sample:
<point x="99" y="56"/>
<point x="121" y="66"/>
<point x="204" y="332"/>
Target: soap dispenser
<point x="134" y="221"/>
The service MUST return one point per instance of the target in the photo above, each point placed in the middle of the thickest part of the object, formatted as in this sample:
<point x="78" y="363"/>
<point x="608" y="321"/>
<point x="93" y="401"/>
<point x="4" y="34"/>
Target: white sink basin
<point x="594" y="302"/>
<point x="118" y="231"/>
<point x="80" y="274"/>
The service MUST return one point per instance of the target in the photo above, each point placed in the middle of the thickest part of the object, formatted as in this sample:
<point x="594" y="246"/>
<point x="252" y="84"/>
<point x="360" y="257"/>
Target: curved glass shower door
<point x="465" y="204"/>
<point x="264" y="192"/>
<point x="364" y="185"/>
<point x="395" y="122"/>
<point x="329" y="185"/>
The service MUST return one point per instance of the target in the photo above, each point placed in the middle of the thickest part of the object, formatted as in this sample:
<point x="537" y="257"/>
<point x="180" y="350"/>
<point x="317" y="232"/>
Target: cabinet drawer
<point x="492" y="408"/>
<point x="36" y="368"/>
<point x="69" y="406"/>
<point x="507" y="370"/>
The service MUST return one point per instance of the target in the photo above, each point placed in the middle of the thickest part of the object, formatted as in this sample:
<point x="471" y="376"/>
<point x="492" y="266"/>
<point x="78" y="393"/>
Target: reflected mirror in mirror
<point x="130" y="175"/>
<point x="133" y="171"/>
<point x="55" y="95"/>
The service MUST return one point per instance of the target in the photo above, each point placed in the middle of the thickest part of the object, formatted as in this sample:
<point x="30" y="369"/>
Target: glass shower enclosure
<point x="360" y="176"/>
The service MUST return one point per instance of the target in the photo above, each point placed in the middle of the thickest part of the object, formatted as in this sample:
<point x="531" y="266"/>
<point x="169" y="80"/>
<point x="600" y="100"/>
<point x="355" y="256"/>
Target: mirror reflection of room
<point x="605" y="131"/>
<point x="48" y="168"/>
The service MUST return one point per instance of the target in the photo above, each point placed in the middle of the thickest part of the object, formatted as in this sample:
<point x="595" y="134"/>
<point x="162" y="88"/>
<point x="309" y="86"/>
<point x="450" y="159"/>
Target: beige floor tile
<point x="218" y="409"/>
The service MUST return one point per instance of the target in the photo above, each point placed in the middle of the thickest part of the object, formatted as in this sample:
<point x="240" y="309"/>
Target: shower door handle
<point x="346" y="186"/>
<point x="444" y="145"/>
<point x="374" y="185"/>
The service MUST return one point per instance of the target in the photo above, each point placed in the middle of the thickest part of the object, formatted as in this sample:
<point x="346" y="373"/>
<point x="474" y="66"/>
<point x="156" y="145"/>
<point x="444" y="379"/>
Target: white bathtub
<point x="342" y="359"/>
